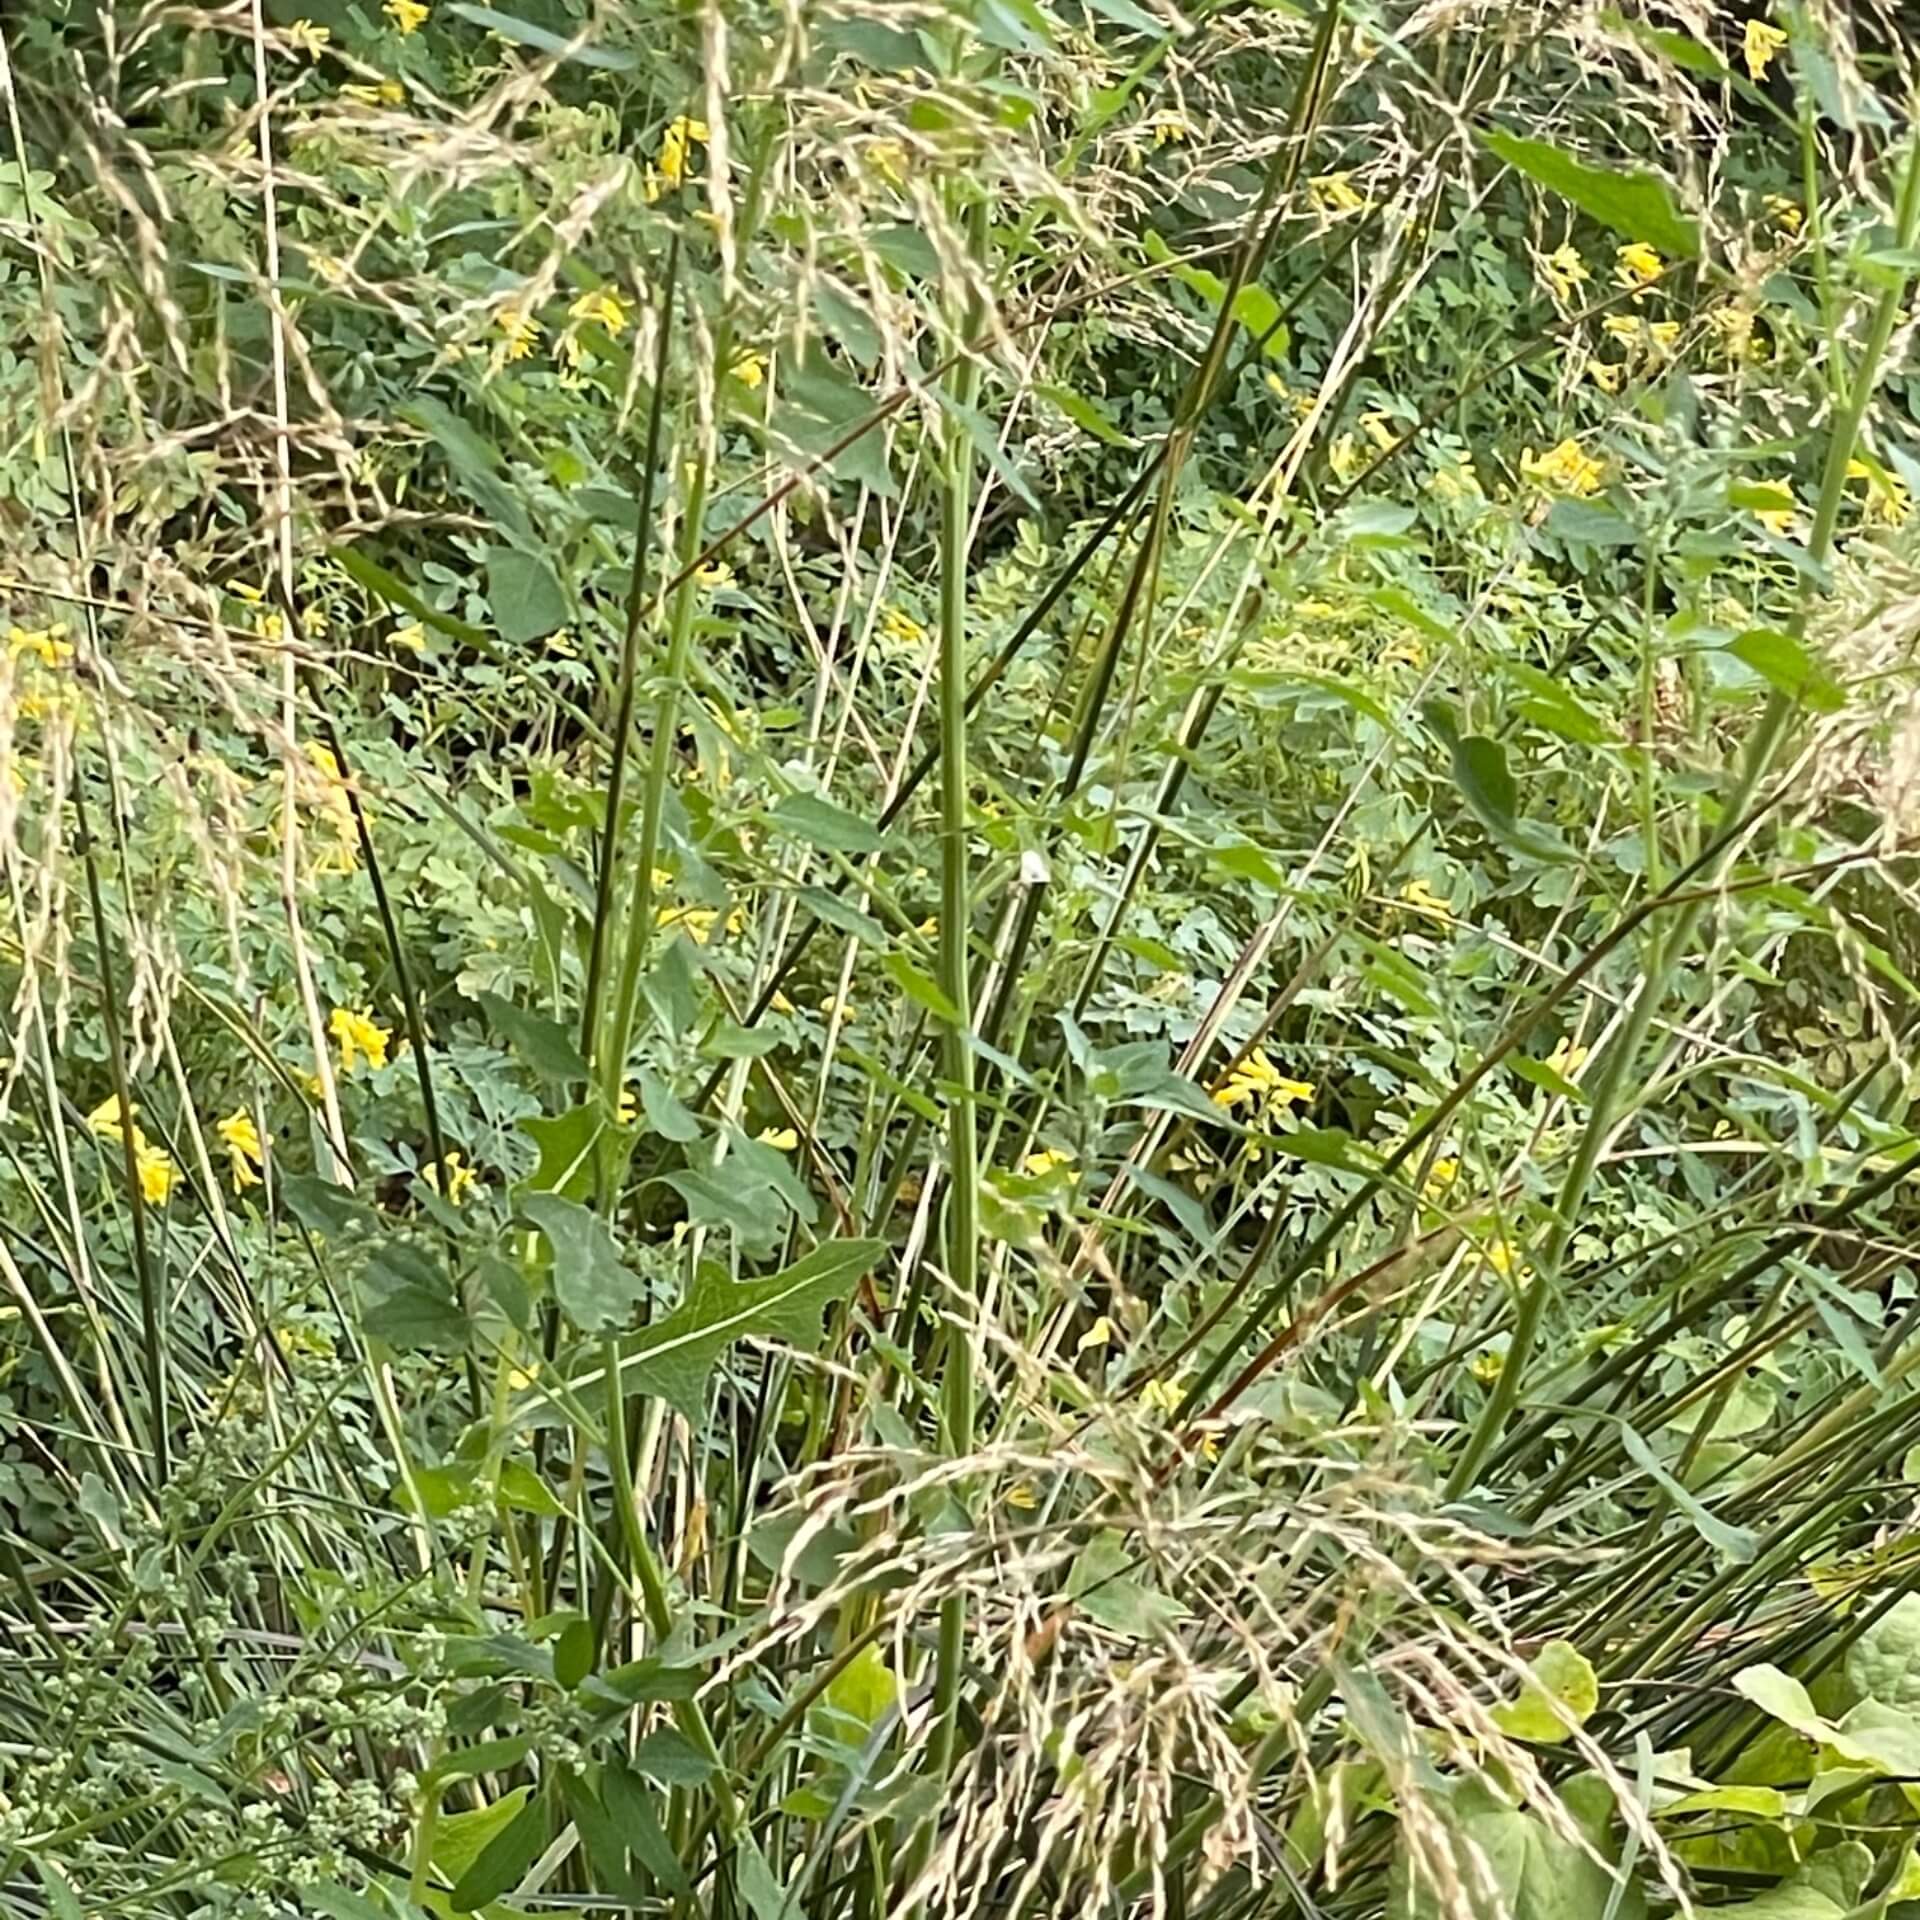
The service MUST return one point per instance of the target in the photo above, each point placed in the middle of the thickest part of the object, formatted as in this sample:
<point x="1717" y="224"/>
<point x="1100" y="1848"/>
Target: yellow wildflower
<point x="408" y="16"/>
<point x="461" y="1178"/>
<point x="1887" y="496"/>
<point x="1420" y="896"/>
<point x="1732" y="329"/>
<point x="781" y="1139"/>
<point x="105" y="1119"/>
<point x="1787" y="214"/>
<point x="1257" y="1082"/>
<point x="1607" y="375"/>
<point x="157" y="1174"/>
<point x="1161" y="1396"/>
<point x="1335" y="193"/>
<point x="715" y="575"/>
<point x="359" y="1035"/>
<point x="245" y="1153"/>
<point x="43" y="643"/>
<point x="1038" y="1165"/>
<point x="902" y="628"/>
<point x="1567" y="1059"/>
<point x="1564" y="270"/>
<point x="695" y="922"/>
<point x="1499" y="1254"/>
<point x="521" y="329"/>
<point x="681" y="135"/>
<point x="1100" y="1334"/>
<point x="1440" y="1176"/>
<point x="1640" y="265"/>
<point x="888" y="158"/>
<point x="1022" y="1496"/>
<point x="750" y="370"/>
<point x="1167" y="127"/>
<point x="1758" y="45"/>
<point x="1778" y="519"/>
<point x="1565" y="469"/>
<point x="412" y="636"/>
<point x="311" y="40"/>
<point x="389" y="93"/>
<point x="628" y="1112"/>
<point x="604" y="307"/>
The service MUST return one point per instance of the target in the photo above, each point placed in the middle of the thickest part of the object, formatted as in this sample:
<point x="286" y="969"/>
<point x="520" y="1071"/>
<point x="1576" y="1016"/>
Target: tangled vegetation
<point x="959" y="959"/>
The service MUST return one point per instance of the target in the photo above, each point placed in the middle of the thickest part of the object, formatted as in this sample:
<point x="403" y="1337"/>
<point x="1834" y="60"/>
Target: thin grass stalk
<point x="956" y="915"/>
<point x="629" y="671"/>
<point x="1761" y="750"/>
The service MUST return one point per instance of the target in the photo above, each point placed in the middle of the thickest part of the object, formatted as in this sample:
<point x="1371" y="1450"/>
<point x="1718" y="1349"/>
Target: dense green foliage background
<point x="959" y="960"/>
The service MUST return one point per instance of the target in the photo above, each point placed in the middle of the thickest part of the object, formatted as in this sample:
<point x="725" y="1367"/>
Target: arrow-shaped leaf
<point x="672" y="1358"/>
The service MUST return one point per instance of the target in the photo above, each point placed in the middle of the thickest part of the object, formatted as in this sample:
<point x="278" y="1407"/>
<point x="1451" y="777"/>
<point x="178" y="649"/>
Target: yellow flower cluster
<point x="408" y="16"/>
<point x="1259" y="1086"/>
<point x="1759" y="43"/>
<point x="1335" y="194"/>
<point x="359" y="1036"/>
<point x="461" y="1178"/>
<point x="246" y="1156"/>
<point x="1639" y="265"/>
<point x="155" y="1171"/>
<point x="670" y="164"/>
<point x="1567" y="468"/>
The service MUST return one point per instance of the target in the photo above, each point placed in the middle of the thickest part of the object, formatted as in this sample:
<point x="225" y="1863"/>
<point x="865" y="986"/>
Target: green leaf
<point x="490" y="1756"/>
<point x="523" y="1489"/>
<point x="460" y="1838"/>
<point x="1561" y="1696"/>
<point x="630" y="1800"/>
<point x="836" y="912"/>
<point x="1826" y="1888"/>
<point x="765" y="1897"/>
<point x="671" y="1759"/>
<point x="523" y="33"/>
<point x="410" y="1302"/>
<point x="474" y="462"/>
<point x="865" y="1688"/>
<point x="666" y="1114"/>
<point x="733" y="1198"/>
<point x="1253" y="306"/>
<point x="525" y="594"/>
<point x="1480" y="772"/>
<point x="595" y="1291"/>
<point x="566" y="1142"/>
<point x="672" y="1358"/>
<point x="503" y="1862"/>
<point x="1105" y="1583"/>
<point x="986" y="443"/>
<point x="1884" y="1662"/>
<point x="1591" y="523"/>
<point x="545" y="1045"/>
<point x="1681" y="48"/>
<point x="396" y="593"/>
<point x="1636" y="205"/>
<point x="821" y="824"/>
<point x="1502" y="1861"/>
<point x="323" y="1896"/>
<point x="573" y="1653"/>
<point x="1787" y="665"/>
<point x="1086" y="415"/>
<point x="921" y="987"/>
<point x="1737" y="1543"/>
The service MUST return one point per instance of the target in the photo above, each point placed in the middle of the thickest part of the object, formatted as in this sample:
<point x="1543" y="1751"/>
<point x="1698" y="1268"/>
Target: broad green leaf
<point x="460" y="1838"/>
<point x="596" y="1292"/>
<point x="1109" y="1583"/>
<point x="1086" y="415"/>
<point x="632" y="1802"/>
<point x="666" y="1113"/>
<point x="1781" y="1695"/>
<point x="1636" y="205"/>
<point x="475" y="463"/>
<point x="325" y="1208"/>
<point x="921" y="987"/>
<point x="543" y="1044"/>
<point x="1506" y="1863"/>
<point x="672" y="1358"/>
<point x="1737" y="1543"/>
<point x="523" y="1489"/>
<point x="1884" y="1662"/>
<point x="669" y="1757"/>
<point x="1561" y="1695"/>
<point x="865" y="1688"/>
<point x="1789" y="666"/>
<point x="525" y="594"/>
<point x="1253" y="306"/>
<point x="502" y="1863"/>
<point x="1826" y="1888"/>
<point x="1487" y="785"/>
<point x="566" y="1142"/>
<point x="523" y="33"/>
<point x="488" y="1757"/>
<point x="820" y="823"/>
<point x="409" y="1300"/>
<point x="395" y="592"/>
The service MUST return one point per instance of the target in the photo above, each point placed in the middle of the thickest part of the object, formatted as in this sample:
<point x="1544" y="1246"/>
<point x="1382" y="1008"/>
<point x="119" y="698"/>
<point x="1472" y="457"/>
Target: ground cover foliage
<point x="959" y="960"/>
